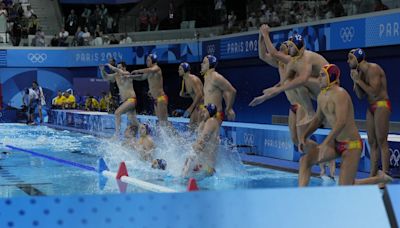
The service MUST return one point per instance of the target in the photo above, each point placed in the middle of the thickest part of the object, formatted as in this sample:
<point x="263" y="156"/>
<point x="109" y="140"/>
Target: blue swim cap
<point x="154" y="58"/>
<point x="297" y="40"/>
<point x="359" y="54"/>
<point x="147" y="129"/>
<point x="212" y="60"/>
<point x="159" y="164"/>
<point x="185" y="66"/>
<point x="212" y="109"/>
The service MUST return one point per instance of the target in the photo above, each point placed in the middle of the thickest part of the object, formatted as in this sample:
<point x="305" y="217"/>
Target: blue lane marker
<point x="59" y="160"/>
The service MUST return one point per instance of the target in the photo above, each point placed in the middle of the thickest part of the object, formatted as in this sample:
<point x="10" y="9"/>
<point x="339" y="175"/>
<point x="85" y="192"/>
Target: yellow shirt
<point x="70" y="101"/>
<point x="103" y="104"/>
<point x="59" y="101"/>
<point x="95" y="104"/>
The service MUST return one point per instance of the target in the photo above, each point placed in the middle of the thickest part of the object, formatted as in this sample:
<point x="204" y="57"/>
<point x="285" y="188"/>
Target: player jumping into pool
<point x="370" y="80"/>
<point x="295" y="96"/>
<point x="202" y="162"/>
<point x="302" y="68"/>
<point x="334" y="105"/>
<point x="154" y="77"/>
<point x="216" y="88"/>
<point x="192" y="87"/>
<point x="127" y="94"/>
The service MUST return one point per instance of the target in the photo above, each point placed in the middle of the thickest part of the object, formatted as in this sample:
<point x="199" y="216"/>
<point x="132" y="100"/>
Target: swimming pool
<point x="22" y="173"/>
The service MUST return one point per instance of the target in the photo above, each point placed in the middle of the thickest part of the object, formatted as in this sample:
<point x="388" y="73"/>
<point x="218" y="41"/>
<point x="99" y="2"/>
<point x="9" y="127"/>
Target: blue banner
<point x="382" y="30"/>
<point x="87" y="57"/>
<point x="169" y="53"/>
<point x="239" y="47"/>
<point x="67" y="58"/>
<point x="348" y="34"/>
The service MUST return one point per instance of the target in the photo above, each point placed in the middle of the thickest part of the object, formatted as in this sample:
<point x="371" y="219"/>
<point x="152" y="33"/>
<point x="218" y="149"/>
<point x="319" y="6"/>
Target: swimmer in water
<point x="145" y="144"/>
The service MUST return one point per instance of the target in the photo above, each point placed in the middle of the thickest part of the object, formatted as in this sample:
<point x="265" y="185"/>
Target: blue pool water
<point x="24" y="174"/>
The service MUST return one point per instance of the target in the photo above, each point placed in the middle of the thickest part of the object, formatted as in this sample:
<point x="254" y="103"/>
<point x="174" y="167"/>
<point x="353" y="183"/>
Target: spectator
<point x="380" y="6"/>
<point x="28" y="12"/>
<point x="251" y="21"/>
<point x="231" y="20"/>
<point x="115" y="27"/>
<point x="153" y="18"/>
<point x="85" y="17"/>
<point x="171" y="11"/>
<point x="109" y="24"/>
<point x="143" y="19"/>
<point x="275" y="20"/>
<point x="103" y="15"/>
<point x="106" y="40"/>
<point x="39" y="40"/>
<point x="98" y="29"/>
<point x="58" y="101"/>
<point x="98" y="41"/>
<point x="71" y="22"/>
<point x="263" y="18"/>
<point x="86" y="36"/>
<point x="172" y="17"/>
<point x="16" y="33"/>
<point x="335" y="8"/>
<point x="63" y="36"/>
<point x="3" y="18"/>
<point x="92" y="23"/>
<point x="69" y="102"/>
<point x="54" y="42"/>
<point x="33" y="24"/>
<point x="13" y="13"/>
<point x="78" y="38"/>
<point x="125" y="39"/>
<point x="103" y="11"/>
<point x="8" y="3"/>
<point x="91" y="104"/>
<point x="114" y="40"/>
<point x="104" y="102"/>
<point x="218" y="7"/>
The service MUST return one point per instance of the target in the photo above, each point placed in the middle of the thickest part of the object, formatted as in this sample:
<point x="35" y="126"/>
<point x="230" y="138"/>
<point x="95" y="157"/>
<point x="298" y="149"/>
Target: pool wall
<point x="260" y="140"/>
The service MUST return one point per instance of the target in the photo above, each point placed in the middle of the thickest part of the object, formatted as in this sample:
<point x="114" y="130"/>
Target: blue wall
<point x="249" y="77"/>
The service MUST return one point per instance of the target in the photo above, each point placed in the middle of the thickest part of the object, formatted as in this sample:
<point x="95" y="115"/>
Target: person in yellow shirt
<point x="104" y="102"/>
<point x="69" y="102"/>
<point x="91" y="104"/>
<point x="58" y="101"/>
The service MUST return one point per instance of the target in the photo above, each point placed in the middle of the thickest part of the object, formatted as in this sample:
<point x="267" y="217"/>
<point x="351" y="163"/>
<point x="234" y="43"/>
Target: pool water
<point x="23" y="174"/>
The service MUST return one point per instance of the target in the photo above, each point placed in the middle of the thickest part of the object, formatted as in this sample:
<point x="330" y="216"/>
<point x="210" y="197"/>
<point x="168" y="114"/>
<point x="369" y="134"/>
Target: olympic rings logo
<point x="211" y="49"/>
<point x="248" y="139"/>
<point x="347" y="34"/>
<point x="37" y="57"/>
<point x="394" y="157"/>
